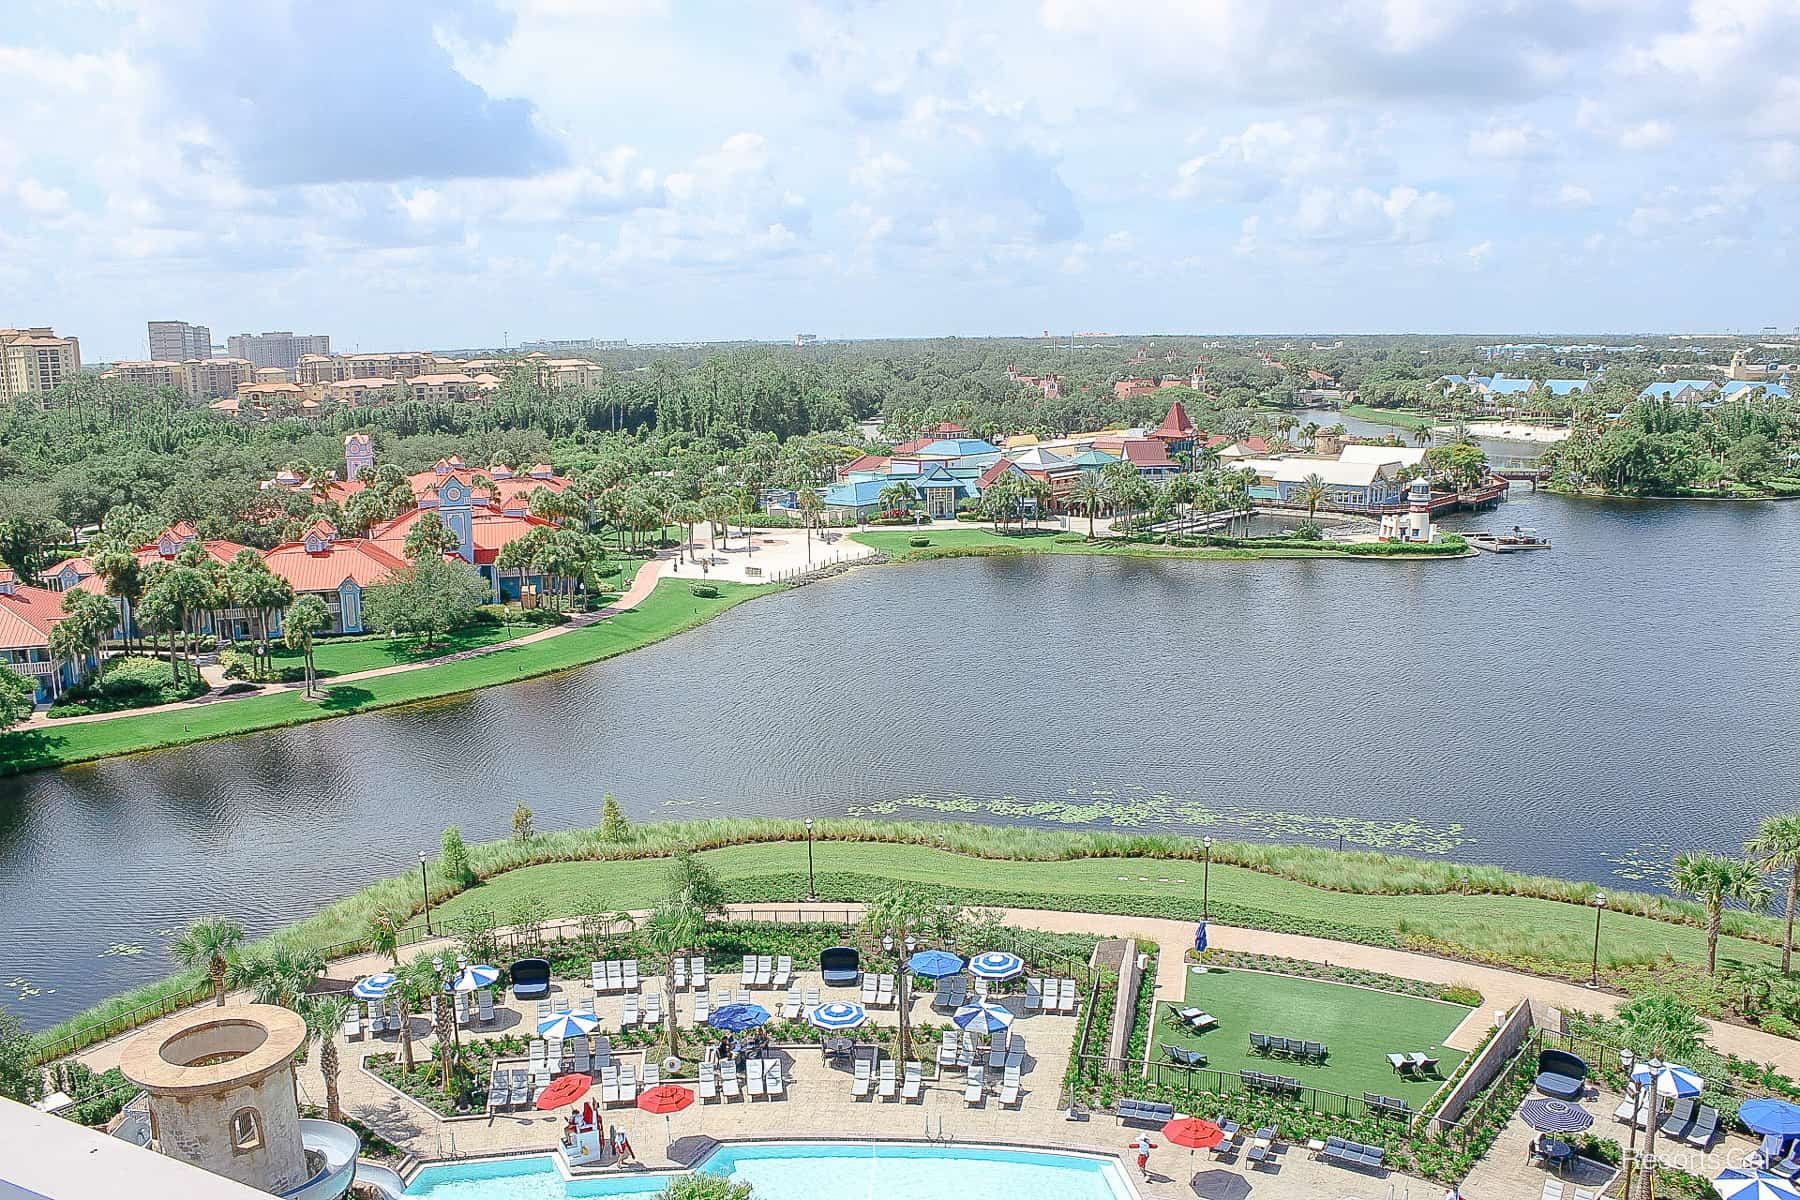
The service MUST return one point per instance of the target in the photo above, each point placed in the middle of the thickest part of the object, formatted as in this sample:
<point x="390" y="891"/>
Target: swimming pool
<point x="810" y="1170"/>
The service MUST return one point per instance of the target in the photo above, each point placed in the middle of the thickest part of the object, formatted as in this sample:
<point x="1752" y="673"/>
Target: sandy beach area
<point x="1509" y="431"/>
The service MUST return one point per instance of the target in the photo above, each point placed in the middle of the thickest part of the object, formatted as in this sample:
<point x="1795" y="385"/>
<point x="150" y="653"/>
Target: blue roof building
<point x="1565" y="387"/>
<point x="1500" y="385"/>
<point x="1676" y="389"/>
<point x="1743" y="389"/>
<point x="956" y="448"/>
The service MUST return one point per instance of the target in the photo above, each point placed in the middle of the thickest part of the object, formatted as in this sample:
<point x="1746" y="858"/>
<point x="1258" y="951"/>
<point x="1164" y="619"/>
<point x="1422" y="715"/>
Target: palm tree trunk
<point x="328" y="1067"/>
<point x="216" y="969"/>
<point x="1787" y="936"/>
<point x="406" y="1045"/>
<point x="1714" y="915"/>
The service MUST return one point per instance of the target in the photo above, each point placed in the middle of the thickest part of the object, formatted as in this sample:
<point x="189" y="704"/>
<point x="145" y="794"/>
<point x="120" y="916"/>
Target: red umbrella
<point x="1193" y="1133"/>
<point x="566" y="1090"/>
<point x="669" y="1098"/>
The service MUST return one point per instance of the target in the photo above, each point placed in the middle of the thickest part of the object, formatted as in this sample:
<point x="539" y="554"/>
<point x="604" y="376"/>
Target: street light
<point x="425" y="891"/>
<point x="1599" y="907"/>
<point x="1206" y="880"/>
<point x="812" y="890"/>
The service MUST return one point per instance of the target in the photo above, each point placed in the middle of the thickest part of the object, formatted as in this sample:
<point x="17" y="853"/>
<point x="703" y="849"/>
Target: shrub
<point x="1068" y="539"/>
<point x="130" y="682"/>
<point x="918" y="541"/>
<point x="541" y="616"/>
<point x="613" y="826"/>
<point x="239" y="688"/>
<point x="522" y="825"/>
<point x="487" y="614"/>
<point x="453" y="864"/>
<point x="1461" y="993"/>
<point x="705" y="591"/>
<point x="1308" y="531"/>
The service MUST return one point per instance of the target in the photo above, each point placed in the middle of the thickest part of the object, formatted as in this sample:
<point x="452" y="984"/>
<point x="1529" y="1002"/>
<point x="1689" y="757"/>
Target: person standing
<point x="1144" y="1146"/>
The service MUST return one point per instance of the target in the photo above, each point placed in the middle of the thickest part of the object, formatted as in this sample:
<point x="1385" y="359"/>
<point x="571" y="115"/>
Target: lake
<point x="1583" y="711"/>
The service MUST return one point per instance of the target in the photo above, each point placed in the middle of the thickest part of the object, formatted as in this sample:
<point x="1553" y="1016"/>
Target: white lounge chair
<point x="743" y="996"/>
<point x="584" y="1064"/>
<point x="631" y="1010"/>
<point x="997" y="1044"/>
<point x="976" y="1087"/>
<point x="859" y="1077"/>
<point x="888" y="1087"/>
<point x="884" y="992"/>
<point x="697" y="970"/>
<point x="790" y="1006"/>
<point x="1065" y="996"/>
<point x="602" y="1052"/>
<point x="784" y="971"/>
<point x="678" y="971"/>
<point x="1009" y="1087"/>
<point x="559" y="1005"/>
<point x="812" y="1002"/>
<point x="597" y="975"/>
<point x="949" y="1050"/>
<point x="1034" y="995"/>
<point x="352" y="1027"/>
<point x="869" y="984"/>
<point x="702" y="1007"/>
<point x="609" y="1085"/>
<point x="615" y="975"/>
<point x="728" y="1080"/>
<point x="1015" y="1050"/>
<point x="553" y="1054"/>
<point x="631" y="974"/>
<point x="652" y="1075"/>
<point x="970" y="1053"/>
<point x="484" y="1001"/>
<point x="747" y="976"/>
<point x="653" y="1014"/>
<point x="774" y="1081"/>
<point x="765" y="970"/>
<point x="753" y="1078"/>
<point x="708" y="1083"/>
<point x="521" y="1090"/>
<point x="628" y="1088"/>
<point x="981" y="988"/>
<point x="915" y="1081"/>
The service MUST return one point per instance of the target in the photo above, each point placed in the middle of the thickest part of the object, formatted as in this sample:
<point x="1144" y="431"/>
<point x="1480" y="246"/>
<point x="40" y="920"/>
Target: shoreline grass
<point x="1484" y="913"/>
<point x="670" y="609"/>
<point x="897" y="545"/>
<point x="1401" y="418"/>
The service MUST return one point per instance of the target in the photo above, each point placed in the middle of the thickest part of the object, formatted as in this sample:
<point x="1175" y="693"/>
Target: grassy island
<point x="899" y="544"/>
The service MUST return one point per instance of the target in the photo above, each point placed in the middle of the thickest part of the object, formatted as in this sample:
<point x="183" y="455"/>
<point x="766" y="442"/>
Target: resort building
<point x="325" y="368"/>
<point x="1362" y="477"/>
<point x="1679" y="391"/>
<point x="35" y="360"/>
<point x="27" y="614"/>
<point x="334" y="569"/>
<point x="156" y="373"/>
<point x="178" y="341"/>
<point x="555" y="374"/>
<point x="207" y="378"/>
<point x="277" y="348"/>
<point x="449" y="388"/>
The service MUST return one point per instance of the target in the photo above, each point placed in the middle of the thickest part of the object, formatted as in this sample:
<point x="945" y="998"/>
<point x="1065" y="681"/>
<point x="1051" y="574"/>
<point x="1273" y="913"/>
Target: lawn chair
<point x="728" y="1080"/>
<point x="628" y="1087"/>
<point x="1065" y="996"/>
<point x="997" y="1044"/>
<point x="615" y="975"/>
<point x="885" y="992"/>
<point x="652" y="1076"/>
<point x="602" y="1052"/>
<point x="499" y="1092"/>
<point x="743" y="996"/>
<point x="976" y="1088"/>
<point x="941" y="997"/>
<point x="520" y="1094"/>
<point x="653" y="1014"/>
<point x="859" y="1077"/>
<point x="559" y="1005"/>
<point x="1034" y="995"/>
<point x="678" y="969"/>
<point x="812" y="1001"/>
<point x="707" y="1084"/>
<point x="1315" y="1051"/>
<point x="970" y="1052"/>
<point x="912" y="1088"/>
<point x="981" y="988"/>
<point x="949" y="1049"/>
<point x="774" y="1081"/>
<point x="790" y="1005"/>
<point x="584" y="1065"/>
<point x="888" y="1087"/>
<point x="631" y="974"/>
<point x="765" y="970"/>
<point x="1009" y="1087"/>
<point x="1423" y="1064"/>
<point x="597" y="975"/>
<point x="1259" y="1043"/>
<point x="544" y="1011"/>
<point x="553" y="1053"/>
<point x="747" y="975"/>
<point x="1400" y="1063"/>
<point x="784" y="971"/>
<point x="697" y="970"/>
<point x="484" y="1003"/>
<point x="702" y="1007"/>
<point x="869" y="983"/>
<point x="1681" y="1118"/>
<point x="1766" y="1155"/>
<point x="631" y="1010"/>
<point x="609" y="1085"/>
<point x="1706" y="1127"/>
<point x="352" y="1028"/>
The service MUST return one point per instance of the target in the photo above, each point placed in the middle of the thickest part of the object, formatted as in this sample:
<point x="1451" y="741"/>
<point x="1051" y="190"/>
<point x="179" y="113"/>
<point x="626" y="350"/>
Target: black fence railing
<point x="1215" y="1082"/>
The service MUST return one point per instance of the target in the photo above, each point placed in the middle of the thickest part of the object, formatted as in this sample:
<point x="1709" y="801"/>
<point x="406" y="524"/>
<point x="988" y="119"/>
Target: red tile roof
<point x="83" y="565"/>
<point x="182" y="532"/>
<point x="345" y="558"/>
<point x="1146" y="452"/>
<point x="491" y="530"/>
<point x="994" y="472"/>
<point x="1176" y="424"/>
<point x="26" y="615"/>
<point x="868" y="462"/>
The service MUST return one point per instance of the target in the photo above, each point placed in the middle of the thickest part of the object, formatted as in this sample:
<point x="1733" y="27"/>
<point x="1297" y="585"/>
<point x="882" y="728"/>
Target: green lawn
<point x="1405" y="418"/>
<point x="351" y="655"/>
<point x="1358" y="1026"/>
<point x="1496" y="927"/>
<point x="668" y="610"/>
<point x="948" y="543"/>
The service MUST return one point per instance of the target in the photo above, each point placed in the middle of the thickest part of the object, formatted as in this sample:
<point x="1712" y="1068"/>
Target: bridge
<point x="1530" y="470"/>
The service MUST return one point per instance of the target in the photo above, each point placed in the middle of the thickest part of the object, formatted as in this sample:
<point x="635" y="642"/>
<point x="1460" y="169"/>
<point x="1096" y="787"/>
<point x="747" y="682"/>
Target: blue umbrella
<point x="996" y="965"/>
<point x="1754" y="1185"/>
<point x="839" y="1014"/>
<point x="735" y="1018"/>
<point x="982" y="1017"/>
<point x="934" y="964"/>
<point x="1771" y="1116"/>
<point x="374" y="987"/>
<point x="1670" y="1079"/>
<point x="1555" y="1116"/>
<point x="568" y="1025"/>
<point x="471" y="979"/>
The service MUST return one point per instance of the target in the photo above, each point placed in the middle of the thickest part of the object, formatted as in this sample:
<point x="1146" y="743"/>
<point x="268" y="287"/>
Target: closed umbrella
<point x="1770" y="1116"/>
<point x="1555" y="1116"/>
<point x="471" y="979"/>
<point x="374" y="987"/>
<point x="735" y="1018"/>
<point x="1754" y="1185"/>
<point x="982" y="1018"/>
<point x="996" y="965"/>
<point x="1670" y="1079"/>
<point x="568" y="1025"/>
<point x="839" y="1014"/>
<point x="934" y="964"/>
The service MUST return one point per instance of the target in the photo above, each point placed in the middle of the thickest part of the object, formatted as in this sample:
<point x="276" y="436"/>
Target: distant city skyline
<point x="654" y="173"/>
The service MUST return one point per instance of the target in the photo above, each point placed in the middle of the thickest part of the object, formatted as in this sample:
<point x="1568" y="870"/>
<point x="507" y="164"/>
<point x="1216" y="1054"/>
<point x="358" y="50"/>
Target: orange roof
<point x="26" y="615"/>
<point x="325" y="571"/>
<point x="172" y="539"/>
<point x="1176" y="425"/>
<point x="492" y="530"/>
<point x="83" y="565"/>
<point x="868" y="462"/>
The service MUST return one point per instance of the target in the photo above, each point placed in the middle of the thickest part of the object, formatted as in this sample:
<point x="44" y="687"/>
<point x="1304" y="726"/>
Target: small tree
<point x="1776" y="847"/>
<point x="613" y="826"/>
<point x="306" y="619"/>
<point x="324" y="1016"/>
<point x="20" y="1078"/>
<point x="523" y="829"/>
<point x="208" y="945"/>
<point x="903" y="911"/>
<point x="453" y="858"/>
<point x="1716" y="881"/>
<point x="384" y="935"/>
<point x="701" y="1186"/>
<point x="17" y="696"/>
<point x="429" y="538"/>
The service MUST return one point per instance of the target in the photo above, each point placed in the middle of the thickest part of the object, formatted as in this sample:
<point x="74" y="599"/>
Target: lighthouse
<point x="1413" y="525"/>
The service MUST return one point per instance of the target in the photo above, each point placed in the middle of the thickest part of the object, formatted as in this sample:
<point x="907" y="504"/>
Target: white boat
<point x="1506" y="543"/>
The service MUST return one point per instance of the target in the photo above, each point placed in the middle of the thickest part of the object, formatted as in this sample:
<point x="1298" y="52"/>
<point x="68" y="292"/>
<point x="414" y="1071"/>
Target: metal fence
<point x="1198" y="1081"/>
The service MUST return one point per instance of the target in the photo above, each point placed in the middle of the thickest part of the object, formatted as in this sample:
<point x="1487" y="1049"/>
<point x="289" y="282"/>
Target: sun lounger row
<point x="799" y="1003"/>
<point x="1196" y="1019"/>
<point x="511" y="1090"/>
<point x="647" y="1011"/>
<point x="1050" y="995"/>
<point x="1692" y="1122"/>
<point x="1144" y="1111"/>
<point x="952" y="993"/>
<point x="614" y="975"/>
<point x="1182" y="1058"/>
<point x="766" y="971"/>
<point x="762" y="1077"/>
<point x="1413" y="1064"/>
<point x="878" y="991"/>
<point x="1262" y="1043"/>
<point x="1386" y="1106"/>
<point x="1281" y="1085"/>
<point x="690" y="973"/>
<point x="1351" y="1154"/>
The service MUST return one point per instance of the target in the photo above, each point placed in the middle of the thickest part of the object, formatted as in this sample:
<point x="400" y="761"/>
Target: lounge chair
<point x="949" y="1049"/>
<point x="1424" y="1064"/>
<point x="911" y="1089"/>
<point x="1009" y="1087"/>
<point x="597" y="975"/>
<point x="1146" y="1112"/>
<point x="531" y="979"/>
<point x="615" y="975"/>
<point x="774" y="1080"/>
<point x="652" y="1076"/>
<point x="631" y="974"/>
<point x="583" y="1065"/>
<point x="1681" y="1118"/>
<point x="609" y="1085"/>
<point x="1065" y="996"/>
<point x="1259" y="1042"/>
<point x="1400" y="1063"/>
<point x="1561" y="1075"/>
<point x="812" y="1001"/>
<point x="484" y="1003"/>
<point x="1706" y="1128"/>
<point x="728" y="1080"/>
<point x="653" y="1014"/>
<point x="840" y="966"/>
<point x="628" y="1088"/>
<point x="884" y="992"/>
<point x="707" y="1083"/>
<point x="790" y="1006"/>
<point x="602" y="1052"/>
<point x="941" y="996"/>
<point x="765" y="970"/>
<point x="970" y="1052"/>
<point x="560" y="1004"/>
<point x="887" y="1086"/>
<point x="1197" y="1019"/>
<point x="743" y="996"/>
<point x="869" y="984"/>
<point x="697" y="970"/>
<point x="976" y="1087"/>
<point x="1034" y="995"/>
<point x="1552" y="1190"/>
<point x="784" y="971"/>
<point x="702" y="1007"/>
<point x="1769" y="1152"/>
<point x="499" y="1092"/>
<point x="859" y="1077"/>
<point x="631" y="1010"/>
<point x="747" y="972"/>
<point x="352" y="1027"/>
<point x="753" y="1078"/>
<point x="678" y="971"/>
<point x="997" y="1044"/>
<point x="982" y="988"/>
<point x="553" y="1054"/>
<point x="1317" y="1052"/>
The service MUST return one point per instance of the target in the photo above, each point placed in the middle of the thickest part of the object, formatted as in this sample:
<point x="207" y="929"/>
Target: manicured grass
<point x="351" y="655"/>
<point x="668" y="610"/>
<point x="958" y="543"/>
<point x="1359" y="1026"/>
<point x="1405" y="418"/>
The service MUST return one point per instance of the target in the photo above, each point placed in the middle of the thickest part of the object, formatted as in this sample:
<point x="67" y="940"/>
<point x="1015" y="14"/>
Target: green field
<point x="1359" y="1026"/>
<point x="669" y="609"/>
<point x="349" y="656"/>
<point x="953" y="543"/>
<point x="1404" y="418"/>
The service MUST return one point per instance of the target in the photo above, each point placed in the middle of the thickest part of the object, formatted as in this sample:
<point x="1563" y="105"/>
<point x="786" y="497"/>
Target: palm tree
<point x="384" y="935"/>
<point x="810" y="505"/>
<point x="1716" y="881"/>
<point x="279" y="976"/>
<point x="895" y="495"/>
<point x="904" y="912"/>
<point x="423" y="977"/>
<point x="675" y="928"/>
<point x="1776" y="847"/>
<point x="1310" y="492"/>
<point x="1660" y="1026"/>
<point x="324" y="1016"/>
<point x="208" y="944"/>
<point x="689" y="513"/>
<point x="1089" y="493"/>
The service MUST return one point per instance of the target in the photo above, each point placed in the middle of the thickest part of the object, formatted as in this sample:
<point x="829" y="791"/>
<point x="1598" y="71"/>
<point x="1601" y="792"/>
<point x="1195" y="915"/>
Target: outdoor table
<point x="837" y="1047"/>
<point x="1557" y="1153"/>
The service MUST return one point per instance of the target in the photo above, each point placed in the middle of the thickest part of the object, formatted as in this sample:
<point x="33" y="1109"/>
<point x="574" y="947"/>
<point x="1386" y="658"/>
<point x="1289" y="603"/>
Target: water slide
<point x="383" y="1180"/>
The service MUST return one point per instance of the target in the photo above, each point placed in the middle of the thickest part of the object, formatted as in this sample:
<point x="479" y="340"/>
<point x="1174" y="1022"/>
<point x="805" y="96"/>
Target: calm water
<point x="1579" y="712"/>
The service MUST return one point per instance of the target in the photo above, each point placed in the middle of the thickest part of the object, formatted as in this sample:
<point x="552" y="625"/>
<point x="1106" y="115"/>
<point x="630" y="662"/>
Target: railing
<point x="32" y="668"/>
<point x="1215" y="1082"/>
<point x="795" y="574"/>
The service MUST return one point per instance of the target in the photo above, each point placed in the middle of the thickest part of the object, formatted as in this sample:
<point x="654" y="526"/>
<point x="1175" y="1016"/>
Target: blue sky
<point x="401" y="174"/>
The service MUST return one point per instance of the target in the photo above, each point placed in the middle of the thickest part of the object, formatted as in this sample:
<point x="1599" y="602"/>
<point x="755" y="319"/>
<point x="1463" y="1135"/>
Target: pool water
<point x="810" y="1170"/>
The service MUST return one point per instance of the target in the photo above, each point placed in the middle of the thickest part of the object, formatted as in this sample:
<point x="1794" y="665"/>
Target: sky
<point x="401" y="174"/>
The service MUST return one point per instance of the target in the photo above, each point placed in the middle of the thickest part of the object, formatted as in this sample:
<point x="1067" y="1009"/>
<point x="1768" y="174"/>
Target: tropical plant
<point x="901" y="913"/>
<point x="1089" y="494"/>
<point x="281" y="975"/>
<point x="700" y="1185"/>
<point x="453" y="858"/>
<point x="1716" y="881"/>
<point x="20" y="1078"/>
<point x="429" y="538"/>
<point x="1656" y="1026"/>
<point x="613" y="826"/>
<point x="324" y="1017"/>
<point x="1776" y="847"/>
<point x="1311" y="492"/>
<point x="523" y="829"/>
<point x="306" y="619"/>
<point x="18" y="696"/>
<point x="208" y="944"/>
<point x="384" y="935"/>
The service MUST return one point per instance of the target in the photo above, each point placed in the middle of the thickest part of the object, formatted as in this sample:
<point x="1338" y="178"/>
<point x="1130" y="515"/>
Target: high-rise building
<point x="35" y="360"/>
<point x="277" y="348"/>
<point x="177" y="341"/>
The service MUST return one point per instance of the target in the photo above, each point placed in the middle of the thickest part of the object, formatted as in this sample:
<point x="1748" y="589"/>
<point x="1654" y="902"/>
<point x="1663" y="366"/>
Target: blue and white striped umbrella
<point x="1555" y="1116"/>
<point x="1670" y="1080"/>
<point x="1754" y="1185"/>
<point x="374" y="987"/>
<point x="471" y="979"/>
<point x="839" y="1014"/>
<point x="568" y="1025"/>
<point x="996" y="965"/>
<point x="982" y="1017"/>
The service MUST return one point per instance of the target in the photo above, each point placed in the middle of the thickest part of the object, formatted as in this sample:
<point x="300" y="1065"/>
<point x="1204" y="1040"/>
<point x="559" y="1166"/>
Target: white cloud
<point x="1511" y="142"/>
<point x="1403" y="214"/>
<point x="1646" y="135"/>
<point x="1571" y="195"/>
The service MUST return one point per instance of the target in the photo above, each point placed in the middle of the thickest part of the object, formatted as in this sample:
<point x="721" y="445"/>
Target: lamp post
<point x="1206" y="880"/>
<point x="425" y="892"/>
<point x="812" y="890"/>
<point x="1599" y="907"/>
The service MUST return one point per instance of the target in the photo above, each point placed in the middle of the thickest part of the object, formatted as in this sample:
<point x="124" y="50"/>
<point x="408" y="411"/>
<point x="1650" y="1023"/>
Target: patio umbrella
<point x="374" y="987"/>
<point x="735" y="1018"/>
<point x="982" y="1017"/>
<point x="471" y="979"/>
<point x="934" y="964"/>
<point x="996" y="965"/>
<point x="1220" y="1185"/>
<point x="1555" y="1116"/>
<point x="665" y="1099"/>
<point x="1193" y="1133"/>
<point x="1770" y="1116"/>
<point x="1754" y="1185"/>
<point x="1670" y="1080"/>
<point x="568" y="1025"/>
<point x="564" y="1090"/>
<point x="839" y="1014"/>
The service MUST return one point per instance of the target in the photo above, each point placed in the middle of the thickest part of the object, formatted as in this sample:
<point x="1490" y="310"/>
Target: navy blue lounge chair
<point x="531" y="978"/>
<point x="1561" y="1074"/>
<point x="840" y="966"/>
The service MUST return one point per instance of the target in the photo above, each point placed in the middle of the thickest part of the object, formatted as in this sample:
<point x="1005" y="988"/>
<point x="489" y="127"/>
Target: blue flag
<point x="1200" y="939"/>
